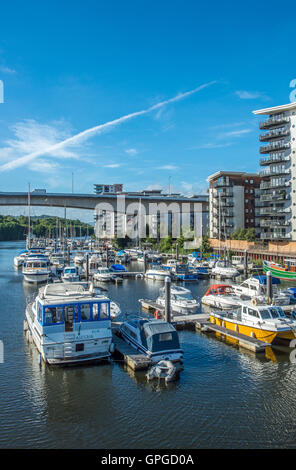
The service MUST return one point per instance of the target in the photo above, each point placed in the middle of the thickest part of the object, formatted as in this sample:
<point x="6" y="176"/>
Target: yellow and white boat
<point x="263" y="322"/>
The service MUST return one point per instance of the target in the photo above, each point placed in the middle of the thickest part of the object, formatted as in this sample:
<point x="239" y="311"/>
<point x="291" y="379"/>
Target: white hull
<point x="156" y="276"/>
<point x="219" y="302"/>
<point x="225" y="272"/>
<point x="36" y="278"/>
<point x="63" y="351"/>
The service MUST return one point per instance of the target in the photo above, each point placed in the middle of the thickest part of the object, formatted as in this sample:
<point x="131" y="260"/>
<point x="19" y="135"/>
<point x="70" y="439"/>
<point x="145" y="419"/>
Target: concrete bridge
<point x="90" y="201"/>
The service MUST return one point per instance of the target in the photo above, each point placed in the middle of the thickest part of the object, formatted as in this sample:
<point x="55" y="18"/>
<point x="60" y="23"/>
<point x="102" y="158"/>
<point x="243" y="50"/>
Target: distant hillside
<point x="16" y="228"/>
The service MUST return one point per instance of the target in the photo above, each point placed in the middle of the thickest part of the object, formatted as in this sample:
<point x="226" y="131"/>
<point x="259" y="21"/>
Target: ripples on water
<point x="225" y="397"/>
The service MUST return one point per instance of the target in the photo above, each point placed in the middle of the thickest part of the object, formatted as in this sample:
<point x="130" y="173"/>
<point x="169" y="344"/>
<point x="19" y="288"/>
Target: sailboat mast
<point x="29" y="217"/>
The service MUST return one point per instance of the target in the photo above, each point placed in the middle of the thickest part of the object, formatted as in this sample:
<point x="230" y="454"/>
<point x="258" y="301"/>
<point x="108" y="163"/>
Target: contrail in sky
<point x="84" y="135"/>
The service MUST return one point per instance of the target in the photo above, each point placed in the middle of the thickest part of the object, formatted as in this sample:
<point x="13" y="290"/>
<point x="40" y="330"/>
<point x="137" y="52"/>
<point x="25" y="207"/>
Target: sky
<point x="139" y="93"/>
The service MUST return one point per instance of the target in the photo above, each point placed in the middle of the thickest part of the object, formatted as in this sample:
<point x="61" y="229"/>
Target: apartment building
<point x="233" y="202"/>
<point x="278" y="186"/>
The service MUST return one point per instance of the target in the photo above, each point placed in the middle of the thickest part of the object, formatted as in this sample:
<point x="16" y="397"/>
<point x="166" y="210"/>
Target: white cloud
<point x="250" y="95"/>
<point x="132" y="152"/>
<point x="238" y="133"/>
<point x="112" y="165"/>
<point x="7" y="70"/>
<point x="167" y="167"/>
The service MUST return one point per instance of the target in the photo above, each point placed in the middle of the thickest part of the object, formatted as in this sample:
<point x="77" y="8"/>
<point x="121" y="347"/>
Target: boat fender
<point x="254" y="301"/>
<point x="268" y="300"/>
<point x="252" y="334"/>
<point x="112" y="348"/>
<point x="157" y="315"/>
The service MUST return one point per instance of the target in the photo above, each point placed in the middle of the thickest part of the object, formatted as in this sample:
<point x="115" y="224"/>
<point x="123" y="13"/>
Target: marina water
<point x="225" y="398"/>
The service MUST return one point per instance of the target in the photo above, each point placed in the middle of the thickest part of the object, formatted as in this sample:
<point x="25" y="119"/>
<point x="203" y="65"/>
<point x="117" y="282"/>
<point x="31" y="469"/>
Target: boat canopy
<point x="117" y="267"/>
<point x="263" y="279"/>
<point x="160" y="336"/>
<point x="220" y="289"/>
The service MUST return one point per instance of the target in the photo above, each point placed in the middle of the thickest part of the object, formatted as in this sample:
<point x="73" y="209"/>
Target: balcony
<point x="222" y="204"/>
<point x="273" y="122"/>
<point x="274" y="184"/>
<point x="274" y="171"/>
<point x="275" y="196"/>
<point x="274" y="134"/>
<point x="275" y="211"/>
<point x="222" y="193"/>
<point x="274" y="223"/>
<point x="275" y="236"/>
<point x="274" y="158"/>
<point x="280" y="145"/>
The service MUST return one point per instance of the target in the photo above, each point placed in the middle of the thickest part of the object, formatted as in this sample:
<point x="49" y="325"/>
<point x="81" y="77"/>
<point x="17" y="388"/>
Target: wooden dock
<point x="132" y="358"/>
<point x="244" y="341"/>
<point x="176" y="318"/>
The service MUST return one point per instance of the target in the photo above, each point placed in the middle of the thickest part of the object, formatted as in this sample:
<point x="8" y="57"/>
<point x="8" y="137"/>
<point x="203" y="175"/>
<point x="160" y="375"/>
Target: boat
<point x="220" y="296"/>
<point x="181" y="300"/>
<point x="255" y="286"/>
<point x="165" y="370"/>
<point x="79" y="257"/>
<point x="20" y="258"/>
<point x="225" y="269"/>
<point x="70" y="274"/>
<point x="69" y="324"/>
<point x="94" y="262"/>
<point x="36" y="269"/>
<point x="57" y="260"/>
<point x="261" y="321"/>
<point x="102" y="274"/>
<point x="286" y="272"/>
<point x="115" y="310"/>
<point x="157" y="273"/>
<point x="156" y="339"/>
<point x="181" y="272"/>
<point x="117" y="268"/>
<point x="239" y="263"/>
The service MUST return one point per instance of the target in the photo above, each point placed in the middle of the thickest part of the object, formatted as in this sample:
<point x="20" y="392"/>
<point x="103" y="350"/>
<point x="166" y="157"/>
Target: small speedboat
<point x="220" y="296"/>
<point x="70" y="274"/>
<point x="157" y="273"/>
<point x="181" y="300"/>
<point x="117" y="268"/>
<point x="224" y="268"/>
<point x="165" y="370"/>
<point x="103" y="274"/>
<point x="256" y="287"/>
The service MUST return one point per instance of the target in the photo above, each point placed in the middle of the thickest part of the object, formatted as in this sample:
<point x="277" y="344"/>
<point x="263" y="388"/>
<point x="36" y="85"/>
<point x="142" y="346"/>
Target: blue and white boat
<point x="156" y="339"/>
<point x="69" y="324"/>
<point x="181" y="272"/>
<point x="70" y="274"/>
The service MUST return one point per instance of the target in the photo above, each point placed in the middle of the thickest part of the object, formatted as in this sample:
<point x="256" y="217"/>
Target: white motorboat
<point x="181" y="300"/>
<point x="239" y="262"/>
<point x="57" y="260"/>
<point x="165" y="370"/>
<point x="157" y="273"/>
<point x="224" y="269"/>
<point x="102" y="274"/>
<point x="255" y="286"/>
<point x="115" y="310"/>
<point x="36" y="269"/>
<point x="69" y="324"/>
<point x="94" y="262"/>
<point x="220" y="296"/>
<point x="79" y="258"/>
<point x="20" y="258"/>
<point x="70" y="274"/>
<point x="156" y="339"/>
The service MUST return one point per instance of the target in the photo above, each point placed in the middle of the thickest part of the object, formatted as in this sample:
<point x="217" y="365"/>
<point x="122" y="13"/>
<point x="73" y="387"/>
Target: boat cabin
<point x="53" y="309"/>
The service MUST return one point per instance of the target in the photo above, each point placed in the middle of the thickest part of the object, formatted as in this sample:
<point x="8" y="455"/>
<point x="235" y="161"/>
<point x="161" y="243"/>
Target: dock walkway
<point x="133" y="358"/>
<point x="247" y="342"/>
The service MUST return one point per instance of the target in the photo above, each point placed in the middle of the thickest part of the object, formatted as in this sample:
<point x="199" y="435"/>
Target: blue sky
<point x="70" y="66"/>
